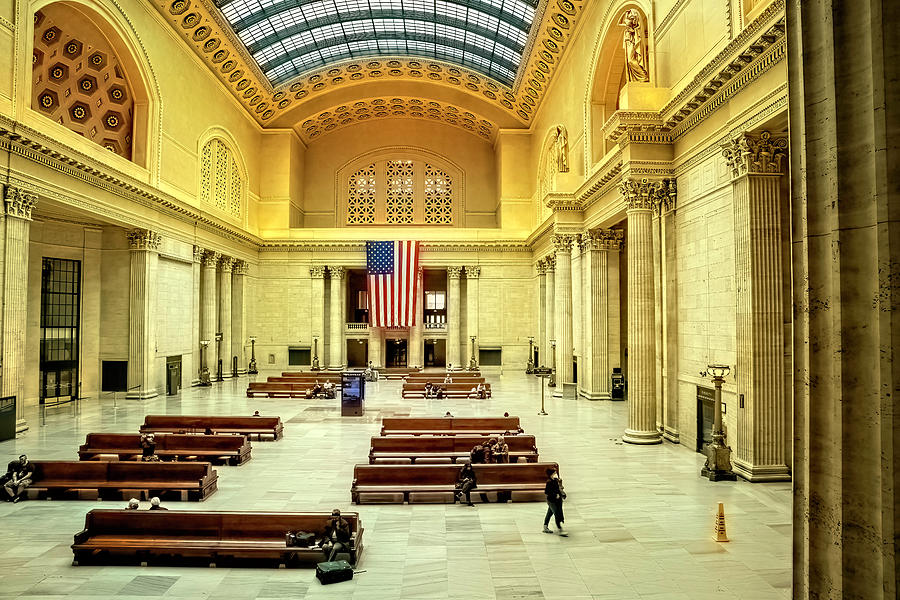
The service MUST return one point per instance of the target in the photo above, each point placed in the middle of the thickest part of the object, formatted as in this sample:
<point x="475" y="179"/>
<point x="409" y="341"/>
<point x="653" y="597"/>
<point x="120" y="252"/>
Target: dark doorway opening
<point x="357" y="353"/>
<point x="435" y="353"/>
<point x="395" y="353"/>
<point x="60" y="321"/>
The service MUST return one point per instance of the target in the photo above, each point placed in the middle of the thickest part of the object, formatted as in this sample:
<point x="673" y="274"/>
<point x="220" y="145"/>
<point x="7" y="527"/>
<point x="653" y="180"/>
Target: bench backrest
<point x="456" y="386"/>
<point x="446" y="443"/>
<point x="119" y="471"/>
<point x="321" y="376"/>
<point x="414" y="424"/>
<point x="305" y="382"/>
<point x="448" y="474"/>
<point x="201" y="422"/>
<point x="164" y="441"/>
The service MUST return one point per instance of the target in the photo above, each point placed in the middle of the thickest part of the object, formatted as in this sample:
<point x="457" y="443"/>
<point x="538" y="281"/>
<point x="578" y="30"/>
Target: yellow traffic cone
<point x="720" y="524"/>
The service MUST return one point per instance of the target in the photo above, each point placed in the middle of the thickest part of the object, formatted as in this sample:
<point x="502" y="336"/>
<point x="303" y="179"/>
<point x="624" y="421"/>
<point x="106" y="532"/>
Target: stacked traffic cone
<point x="720" y="524"/>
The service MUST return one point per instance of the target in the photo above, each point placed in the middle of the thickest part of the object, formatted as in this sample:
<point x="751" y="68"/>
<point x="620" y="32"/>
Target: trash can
<point x="618" y="384"/>
<point x="173" y="374"/>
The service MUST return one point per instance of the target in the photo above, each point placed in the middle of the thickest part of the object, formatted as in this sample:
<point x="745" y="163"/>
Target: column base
<point x="564" y="390"/>
<point x="642" y="437"/>
<point x="670" y="435"/>
<point x="760" y="473"/>
<point x="588" y="395"/>
<point x="336" y="368"/>
<point x="144" y="394"/>
<point x="21" y="425"/>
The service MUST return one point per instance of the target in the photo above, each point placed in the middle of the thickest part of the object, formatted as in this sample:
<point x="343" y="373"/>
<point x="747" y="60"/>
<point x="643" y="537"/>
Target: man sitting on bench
<point x="328" y="389"/>
<point x="148" y="448"/>
<point x="337" y="535"/>
<point x="478" y="391"/>
<point x="18" y="477"/>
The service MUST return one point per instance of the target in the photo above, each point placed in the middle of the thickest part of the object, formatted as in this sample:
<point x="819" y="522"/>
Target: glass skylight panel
<point x="291" y="37"/>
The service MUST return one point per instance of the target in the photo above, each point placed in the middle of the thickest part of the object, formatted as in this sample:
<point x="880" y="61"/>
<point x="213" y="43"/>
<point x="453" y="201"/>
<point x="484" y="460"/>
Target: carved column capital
<point x="454" y="272"/>
<point x="198" y="254"/>
<point x="226" y="263"/>
<point x="646" y="194"/>
<point x="211" y="258"/>
<point x="337" y="272"/>
<point x="605" y="239"/>
<point x="240" y="267"/>
<point x="550" y="263"/>
<point x="19" y="203"/>
<point x="752" y="154"/>
<point x="143" y="239"/>
<point x="317" y="272"/>
<point x="562" y="242"/>
<point x="473" y="272"/>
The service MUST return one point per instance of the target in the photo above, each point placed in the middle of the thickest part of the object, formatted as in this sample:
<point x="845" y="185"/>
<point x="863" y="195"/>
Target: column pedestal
<point x="142" y="313"/>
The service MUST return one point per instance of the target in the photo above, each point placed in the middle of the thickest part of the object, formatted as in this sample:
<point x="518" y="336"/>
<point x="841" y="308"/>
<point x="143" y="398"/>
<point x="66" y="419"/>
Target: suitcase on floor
<point x="334" y="571"/>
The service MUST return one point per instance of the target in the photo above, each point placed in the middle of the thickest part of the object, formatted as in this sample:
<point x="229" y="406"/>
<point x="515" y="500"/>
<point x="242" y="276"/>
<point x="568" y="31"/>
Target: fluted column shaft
<point x="473" y="274"/>
<point x="195" y="315"/>
<point x="317" y="312"/>
<point x="541" y="316"/>
<point x="562" y="310"/>
<point x="142" y="313"/>
<point x="453" y="317"/>
<point x="417" y="331"/>
<point x="577" y="302"/>
<point x="224" y="347"/>
<point x="208" y="308"/>
<point x="238" y="313"/>
<point x="549" y="314"/>
<point x="337" y="307"/>
<point x="18" y="205"/>
<point x="600" y="259"/>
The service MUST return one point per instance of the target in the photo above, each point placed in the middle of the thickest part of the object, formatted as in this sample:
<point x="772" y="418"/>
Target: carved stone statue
<point x="633" y="42"/>
<point x="562" y="149"/>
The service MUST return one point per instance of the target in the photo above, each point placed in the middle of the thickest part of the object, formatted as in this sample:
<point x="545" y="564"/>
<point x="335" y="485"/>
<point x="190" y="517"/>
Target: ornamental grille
<point x="401" y="192"/>
<point x="438" y="198"/>
<point x="361" y="197"/>
<point x="221" y="184"/>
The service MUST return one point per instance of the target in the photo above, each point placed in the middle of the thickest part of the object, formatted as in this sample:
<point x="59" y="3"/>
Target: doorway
<point x="357" y="353"/>
<point x="60" y="321"/>
<point x="435" y="353"/>
<point x="395" y="353"/>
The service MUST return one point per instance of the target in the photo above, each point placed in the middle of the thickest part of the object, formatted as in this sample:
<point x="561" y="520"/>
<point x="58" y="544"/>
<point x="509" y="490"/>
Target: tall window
<point x="400" y="192"/>
<point x="435" y="309"/>
<point x="60" y="319"/>
<point x="221" y="184"/>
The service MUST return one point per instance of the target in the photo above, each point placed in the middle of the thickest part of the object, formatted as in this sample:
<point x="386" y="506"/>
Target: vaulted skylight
<point x="288" y="38"/>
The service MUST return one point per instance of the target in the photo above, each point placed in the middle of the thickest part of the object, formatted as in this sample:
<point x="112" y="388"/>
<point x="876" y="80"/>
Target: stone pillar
<point x="224" y="347"/>
<point x="756" y="163"/>
<point x="844" y="76"/>
<point x="208" y="308"/>
<point x="195" y="315"/>
<point x="600" y="259"/>
<point x="453" y="317"/>
<point x="142" y="300"/>
<point x="417" y="331"/>
<point x="577" y="304"/>
<point x="670" y="318"/>
<point x="640" y="197"/>
<point x="338" y="307"/>
<point x="541" y="317"/>
<point x="317" y="312"/>
<point x="549" y="315"/>
<point x="473" y="273"/>
<point x="658" y="317"/>
<point x="17" y="230"/>
<point x="238" y="314"/>
<point x="562" y="309"/>
<point x="376" y="343"/>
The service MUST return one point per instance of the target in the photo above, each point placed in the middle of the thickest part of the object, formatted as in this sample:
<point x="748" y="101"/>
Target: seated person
<point x="309" y="393"/>
<point x="337" y="535"/>
<point x="155" y="505"/>
<point x="328" y="389"/>
<point x="429" y="389"/>
<point x="465" y="483"/>
<point x="440" y="392"/>
<point x="488" y="450"/>
<point x="448" y="379"/>
<point x="19" y="474"/>
<point x="317" y="387"/>
<point x="133" y="504"/>
<point x="481" y="391"/>
<point x="501" y="451"/>
<point x="476" y="455"/>
<point x="148" y="447"/>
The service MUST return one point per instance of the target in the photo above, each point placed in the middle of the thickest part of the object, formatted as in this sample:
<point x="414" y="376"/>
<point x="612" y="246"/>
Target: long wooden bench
<point x="214" y="424"/>
<point x="305" y="381"/>
<point x="233" y="449"/>
<point x="450" y="426"/>
<point x="193" y="480"/>
<point x="437" y="379"/>
<point x="186" y="537"/>
<point x="321" y="376"/>
<point x="450" y="390"/>
<point x="444" y="448"/>
<point x="397" y="372"/>
<point x="270" y="389"/>
<point x="437" y="483"/>
<point x="441" y="374"/>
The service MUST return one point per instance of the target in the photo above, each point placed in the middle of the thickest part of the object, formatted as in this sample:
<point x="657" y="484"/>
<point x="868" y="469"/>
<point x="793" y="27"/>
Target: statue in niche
<point x="561" y="147"/>
<point x="633" y="42"/>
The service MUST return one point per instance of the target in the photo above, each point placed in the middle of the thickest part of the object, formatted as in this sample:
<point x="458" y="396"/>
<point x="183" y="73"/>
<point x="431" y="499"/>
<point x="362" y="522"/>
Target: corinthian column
<point x="17" y="230"/>
<point x="417" y="331"/>
<point x="453" y="316"/>
<point x="757" y="163"/>
<point x="317" y="305"/>
<point x="562" y="309"/>
<point x="640" y="197"/>
<point x="473" y="273"/>
<point x="338" y="306"/>
<point x="549" y="315"/>
<point x="195" y="315"/>
<point x="578" y="303"/>
<point x="541" y="315"/>
<point x="238" y="313"/>
<point x="208" y="310"/>
<point x="224" y="347"/>
<point x="142" y="313"/>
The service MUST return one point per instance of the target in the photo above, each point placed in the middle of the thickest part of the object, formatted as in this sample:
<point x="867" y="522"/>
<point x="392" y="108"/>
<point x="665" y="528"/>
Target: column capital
<point x="240" y="267"/>
<point x="550" y="263"/>
<point x="337" y="272"/>
<point x="19" y="203"/>
<point x="646" y="194"/>
<point x="540" y="267"/>
<point x="756" y="154"/>
<point x="473" y="272"/>
<point x="226" y="263"/>
<point x="562" y="242"/>
<point x="211" y="258"/>
<point x="317" y="272"/>
<point x="454" y="272"/>
<point x="604" y="239"/>
<point x="143" y="239"/>
<point x="198" y="254"/>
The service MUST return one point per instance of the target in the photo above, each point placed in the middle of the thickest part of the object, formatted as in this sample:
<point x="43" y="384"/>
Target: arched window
<point x="401" y="191"/>
<point x="221" y="183"/>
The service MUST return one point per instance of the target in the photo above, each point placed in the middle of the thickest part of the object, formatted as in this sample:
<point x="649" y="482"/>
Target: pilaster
<point x="208" y="307"/>
<point x="541" y="312"/>
<point x="562" y="309"/>
<point x="226" y="264"/>
<point x="239" y="313"/>
<point x="473" y="274"/>
<point x="144" y="245"/>
<point x="549" y="314"/>
<point x="317" y="306"/>
<point x="577" y="302"/>
<point x="337" y="309"/>
<point x="453" y="317"/>
<point x="195" y="315"/>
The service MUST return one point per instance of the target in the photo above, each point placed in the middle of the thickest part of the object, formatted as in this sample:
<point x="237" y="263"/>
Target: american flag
<point x="392" y="269"/>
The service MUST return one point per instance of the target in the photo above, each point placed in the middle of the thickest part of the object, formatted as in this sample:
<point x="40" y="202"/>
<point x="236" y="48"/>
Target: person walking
<point x="555" y="495"/>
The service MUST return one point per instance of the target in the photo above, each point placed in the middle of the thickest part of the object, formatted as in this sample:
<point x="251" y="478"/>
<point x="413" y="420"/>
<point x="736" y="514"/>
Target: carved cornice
<point x="19" y="203"/>
<point x="337" y="272"/>
<point x="317" y="272"/>
<point x="562" y="242"/>
<point x="240" y="267"/>
<point x="211" y="259"/>
<point x="644" y="194"/>
<point x="226" y="264"/>
<point x="601" y="180"/>
<point x="198" y="254"/>
<point x="473" y="272"/>
<point x="638" y="127"/>
<point x="560" y="201"/>
<point x="604" y="239"/>
<point x="352" y="246"/>
<point x="143" y="239"/>
<point x="751" y="154"/>
<point x="454" y="272"/>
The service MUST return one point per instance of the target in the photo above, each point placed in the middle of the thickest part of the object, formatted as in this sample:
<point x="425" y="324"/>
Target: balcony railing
<point x="436" y="326"/>
<point x="357" y="327"/>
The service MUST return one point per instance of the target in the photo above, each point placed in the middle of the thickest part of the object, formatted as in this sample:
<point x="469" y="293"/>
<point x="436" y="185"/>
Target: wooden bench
<point x="322" y="376"/>
<point x="451" y="390"/>
<point x="444" y="448"/>
<point x="435" y="380"/>
<point x="437" y="483"/>
<point x="193" y="480"/>
<point x="286" y="389"/>
<point x="215" y="424"/>
<point x="397" y="372"/>
<point x="304" y="381"/>
<point x="189" y="537"/>
<point x="450" y="426"/>
<point x="233" y="449"/>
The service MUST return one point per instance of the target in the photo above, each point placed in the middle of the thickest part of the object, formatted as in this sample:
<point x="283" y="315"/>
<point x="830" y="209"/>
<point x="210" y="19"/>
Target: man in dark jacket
<point x="555" y="496"/>
<point x="19" y="474"/>
<point x="337" y="535"/>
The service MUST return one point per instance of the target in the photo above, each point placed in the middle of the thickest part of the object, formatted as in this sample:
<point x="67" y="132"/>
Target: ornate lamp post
<point x="204" y="370"/>
<point x="718" y="455"/>
<point x="529" y="368"/>
<point x="251" y="368"/>
<point x="472" y="364"/>
<point x="219" y="375"/>
<point x="315" y="360"/>
<point x="552" y="382"/>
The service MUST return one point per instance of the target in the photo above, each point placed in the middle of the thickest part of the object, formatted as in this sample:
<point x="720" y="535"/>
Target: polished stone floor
<point x="641" y="519"/>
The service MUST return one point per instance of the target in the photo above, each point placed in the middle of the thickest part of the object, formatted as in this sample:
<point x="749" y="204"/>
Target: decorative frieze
<point x="751" y="154"/>
<point x="19" y="203"/>
<point x="454" y="272"/>
<point x="645" y="194"/>
<point x="143" y="239"/>
<point x="473" y="272"/>
<point x="317" y="272"/>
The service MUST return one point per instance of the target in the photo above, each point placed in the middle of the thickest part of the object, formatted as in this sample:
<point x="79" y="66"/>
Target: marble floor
<point x="641" y="518"/>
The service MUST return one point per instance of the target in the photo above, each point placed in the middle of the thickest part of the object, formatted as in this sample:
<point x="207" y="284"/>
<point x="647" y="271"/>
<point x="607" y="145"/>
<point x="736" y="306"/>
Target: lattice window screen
<point x="400" y="192"/>
<point x="361" y="197"/>
<point x="221" y="201"/>
<point x="234" y="199"/>
<point x="221" y="184"/>
<point x="438" y="197"/>
<point x="206" y="173"/>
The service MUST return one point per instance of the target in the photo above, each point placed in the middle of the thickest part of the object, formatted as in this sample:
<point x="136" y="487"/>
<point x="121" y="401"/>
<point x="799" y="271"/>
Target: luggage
<point x="302" y="539"/>
<point x="334" y="571"/>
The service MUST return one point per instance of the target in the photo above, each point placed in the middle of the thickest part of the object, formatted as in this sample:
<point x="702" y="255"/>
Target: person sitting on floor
<point x="465" y="483"/>
<point x="133" y="504"/>
<point x="155" y="505"/>
<point x="337" y="535"/>
<point x="19" y="475"/>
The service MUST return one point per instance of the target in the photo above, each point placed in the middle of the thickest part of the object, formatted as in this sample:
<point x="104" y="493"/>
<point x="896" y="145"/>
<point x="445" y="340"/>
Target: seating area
<point x="398" y="372"/>
<point x="230" y="449"/>
<point x="443" y="448"/>
<point x="447" y="390"/>
<point x="207" y="538"/>
<point x="214" y="424"/>
<point x="295" y="385"/>
<point x="176" y="481"/>
<point x="450" y="426"/>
